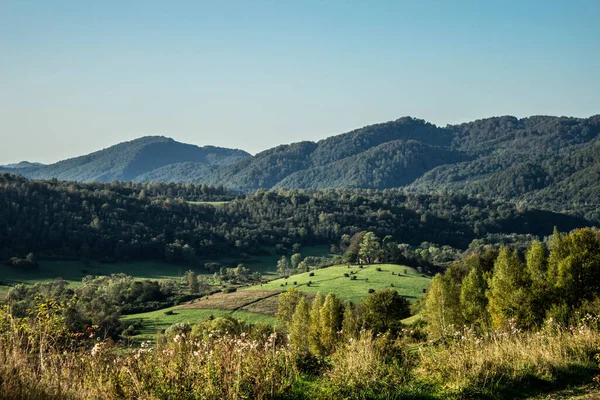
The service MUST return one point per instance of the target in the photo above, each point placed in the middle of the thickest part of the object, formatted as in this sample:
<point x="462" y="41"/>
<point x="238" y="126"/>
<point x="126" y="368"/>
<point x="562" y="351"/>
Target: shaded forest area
<point x="126" y="221"/>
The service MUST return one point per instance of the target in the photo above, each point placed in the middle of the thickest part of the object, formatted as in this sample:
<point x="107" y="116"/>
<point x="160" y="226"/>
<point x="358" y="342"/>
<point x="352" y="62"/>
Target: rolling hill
<point x="550" y="162"/>
<point x="129" y="160"/>
<point x="22" y="165"/>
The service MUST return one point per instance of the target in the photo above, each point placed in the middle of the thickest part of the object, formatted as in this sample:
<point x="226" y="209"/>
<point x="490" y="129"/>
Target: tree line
<point x="556" y="280"/>
<point x="127" y="221"/>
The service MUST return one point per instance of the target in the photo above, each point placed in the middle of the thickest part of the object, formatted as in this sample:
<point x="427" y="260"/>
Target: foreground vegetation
<point x="222" y="358"/>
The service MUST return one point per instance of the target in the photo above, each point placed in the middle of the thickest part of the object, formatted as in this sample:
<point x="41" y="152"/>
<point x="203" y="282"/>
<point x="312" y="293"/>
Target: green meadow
<point x="209" y="203"/>
<point x="155" y="321"/>
<point x="74" y="271"/>
<point x="407" y="281"/>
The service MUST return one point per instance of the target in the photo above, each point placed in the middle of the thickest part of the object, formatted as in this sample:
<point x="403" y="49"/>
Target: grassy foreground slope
<point x="407" y="281"/>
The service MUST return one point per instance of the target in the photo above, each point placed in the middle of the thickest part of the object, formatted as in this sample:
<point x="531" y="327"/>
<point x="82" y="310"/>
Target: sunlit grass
<point x="155" y="321"/>
<point x="332" y="280"/>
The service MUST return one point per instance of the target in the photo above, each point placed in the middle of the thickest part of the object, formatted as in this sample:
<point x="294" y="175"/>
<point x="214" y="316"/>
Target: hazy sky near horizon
<point x="79" y="76"/>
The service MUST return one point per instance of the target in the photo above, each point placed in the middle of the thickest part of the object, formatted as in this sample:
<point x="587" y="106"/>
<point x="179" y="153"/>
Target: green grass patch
<point x="74" y="271"/>
<point x="333" y="280"/>
<point x="209" y="203"/>
<point x="155" y="321"/>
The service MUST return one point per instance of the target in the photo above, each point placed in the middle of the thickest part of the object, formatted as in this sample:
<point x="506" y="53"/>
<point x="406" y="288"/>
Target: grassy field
<point x="74" y="271"/>
<point x="210" y="203"/>
<point x="154" y="321"/>
<point x="332" y="280"/>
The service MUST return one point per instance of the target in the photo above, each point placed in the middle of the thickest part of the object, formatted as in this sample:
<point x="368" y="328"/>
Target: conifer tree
<point x="288" y="301"/>
<point x="350" y="323"/>
<point x="299" y="340"/>
<point x="540" y="292"/>
<point x="442" y="306"/>
<point x="314" y="333"/>
<point x="331" y="321"/>
<point x="473" y="301"/>
<point x="508" y="292"/>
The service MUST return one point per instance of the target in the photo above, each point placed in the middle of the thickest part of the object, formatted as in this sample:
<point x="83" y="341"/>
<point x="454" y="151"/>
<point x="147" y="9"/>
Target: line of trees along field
<point x="127" y="221"/>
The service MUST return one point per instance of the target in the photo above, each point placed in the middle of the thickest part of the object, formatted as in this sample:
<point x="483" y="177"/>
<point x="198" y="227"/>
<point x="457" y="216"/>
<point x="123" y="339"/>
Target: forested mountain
<point x="549" y="162"/>
<point x="129" y="160"/>
<point x="22" y="164"/>
<point x="324" y="164"/>
<point x="392" y="164"/>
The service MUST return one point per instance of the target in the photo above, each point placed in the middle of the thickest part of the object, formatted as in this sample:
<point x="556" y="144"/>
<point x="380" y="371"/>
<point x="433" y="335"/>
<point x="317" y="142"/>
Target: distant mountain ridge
<point x="22" y="164"/>
<point x="552" y="162"/>
<point x="128" y="161"/>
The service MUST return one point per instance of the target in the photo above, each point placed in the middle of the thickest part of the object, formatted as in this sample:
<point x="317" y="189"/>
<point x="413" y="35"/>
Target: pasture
<point x="74" y="271"/>
<point x="407" y="281"/>
<point x="155" y="321"/>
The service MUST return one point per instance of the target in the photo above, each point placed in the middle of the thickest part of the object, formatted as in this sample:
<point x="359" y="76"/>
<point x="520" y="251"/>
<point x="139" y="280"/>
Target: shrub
<point x="311" y="274"/>
<point x="130" y="331"/>
<point x="371" y="290"/>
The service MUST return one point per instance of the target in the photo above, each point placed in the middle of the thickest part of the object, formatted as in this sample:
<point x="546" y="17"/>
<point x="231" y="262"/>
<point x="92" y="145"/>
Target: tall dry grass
<point x="488" y="364"/>
<point x="37" y="361"/>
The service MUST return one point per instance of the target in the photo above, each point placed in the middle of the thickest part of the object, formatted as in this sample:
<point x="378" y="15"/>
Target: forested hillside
<point x="118" y="221"/>
<point x="129" y="160"/>
<point x="551" y="163"/>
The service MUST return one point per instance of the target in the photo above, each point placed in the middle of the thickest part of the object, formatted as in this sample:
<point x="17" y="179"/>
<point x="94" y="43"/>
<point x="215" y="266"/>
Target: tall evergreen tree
<point x="442" y="306"/>
<point x="508" y="293"/>
<point x="287" y="304"/>
<point x="299" y="340"/>
<point x="473" y="301"/>
<point x="314" y="333"/>
<point x="351" y="323"/>
<point x="331" y="321"/>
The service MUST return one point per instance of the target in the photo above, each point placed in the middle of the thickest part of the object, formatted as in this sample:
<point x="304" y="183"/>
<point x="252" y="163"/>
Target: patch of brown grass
<point x="229" y="301"/>
<point x="268" y="306"/>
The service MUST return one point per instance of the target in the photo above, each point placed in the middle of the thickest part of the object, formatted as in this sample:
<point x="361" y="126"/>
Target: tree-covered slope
<point x="325" y="163"/>
<point x="392" y="164"/>
<point x="22" y="164"/>
<point x="129" y="160"/>
<point x="549" y="161"/>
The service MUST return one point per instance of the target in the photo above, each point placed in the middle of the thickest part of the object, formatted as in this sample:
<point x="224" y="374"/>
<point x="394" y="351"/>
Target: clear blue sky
<point x="78" y="76"/>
